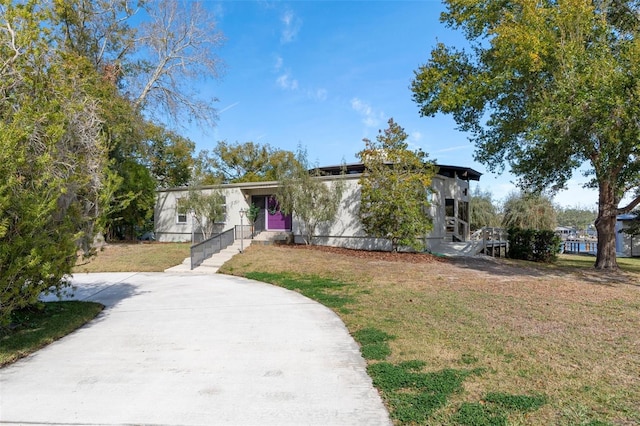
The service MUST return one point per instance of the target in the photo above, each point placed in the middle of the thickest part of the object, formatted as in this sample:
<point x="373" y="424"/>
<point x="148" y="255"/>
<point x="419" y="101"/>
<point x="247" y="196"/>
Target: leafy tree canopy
<point x="52" y="156"/>
<point x="576" y="217"/>
<point x="169" y="157"/>
<point x="484" y="212"/>
<point x="529" y="211"/>
<point x="243" y="162"/>
<point x="394" y="189"/>
<point x="148" y="54"/>
<point x="546" y="87"/>
<point x="78" y="86"/>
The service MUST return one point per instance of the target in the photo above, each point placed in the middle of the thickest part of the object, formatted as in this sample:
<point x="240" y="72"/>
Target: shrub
<point x="533" y="245"/>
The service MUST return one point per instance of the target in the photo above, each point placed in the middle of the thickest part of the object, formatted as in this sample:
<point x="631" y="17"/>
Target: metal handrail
<point x="207" y="248"/>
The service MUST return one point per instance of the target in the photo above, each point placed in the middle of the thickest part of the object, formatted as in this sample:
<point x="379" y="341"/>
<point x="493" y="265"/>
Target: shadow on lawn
<point x="508" y="268"/>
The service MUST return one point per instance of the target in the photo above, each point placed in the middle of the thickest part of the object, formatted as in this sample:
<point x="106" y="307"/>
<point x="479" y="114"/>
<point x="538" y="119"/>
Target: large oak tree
<point x="549" y="88"/>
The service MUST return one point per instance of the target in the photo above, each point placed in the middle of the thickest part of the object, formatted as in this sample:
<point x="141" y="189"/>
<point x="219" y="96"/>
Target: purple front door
<point x="276" y="220"/>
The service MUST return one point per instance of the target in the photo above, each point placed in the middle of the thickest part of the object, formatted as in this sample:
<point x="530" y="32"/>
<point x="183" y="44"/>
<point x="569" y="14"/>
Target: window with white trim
<point x="181" y="213"/>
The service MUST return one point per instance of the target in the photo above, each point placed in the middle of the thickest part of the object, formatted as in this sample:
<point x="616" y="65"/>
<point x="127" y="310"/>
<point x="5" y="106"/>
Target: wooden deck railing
<point x="495" y="241"/>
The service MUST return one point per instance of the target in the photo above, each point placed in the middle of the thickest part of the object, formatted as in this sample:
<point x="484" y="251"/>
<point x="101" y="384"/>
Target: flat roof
<point x="465" y="173"/>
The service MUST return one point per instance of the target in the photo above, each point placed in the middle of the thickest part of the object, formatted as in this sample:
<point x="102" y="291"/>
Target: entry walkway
<point x="212" y="264"/>
<point x="173" y="349"/>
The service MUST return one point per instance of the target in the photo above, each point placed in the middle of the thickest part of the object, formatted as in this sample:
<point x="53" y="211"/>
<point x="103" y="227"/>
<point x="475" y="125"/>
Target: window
<point x="215" y="208"/>
<point x="449" y="207"/>
<point x="181" y="212"/>
<point x="463" y="211"/>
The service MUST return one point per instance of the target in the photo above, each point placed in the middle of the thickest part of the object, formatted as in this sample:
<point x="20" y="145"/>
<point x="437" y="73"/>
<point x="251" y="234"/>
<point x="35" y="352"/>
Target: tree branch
<point x="630" y="206"/>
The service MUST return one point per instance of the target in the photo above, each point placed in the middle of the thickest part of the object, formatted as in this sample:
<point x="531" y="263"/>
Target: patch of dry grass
<point x="570" y="333"/>
<point x="147" y="257"/>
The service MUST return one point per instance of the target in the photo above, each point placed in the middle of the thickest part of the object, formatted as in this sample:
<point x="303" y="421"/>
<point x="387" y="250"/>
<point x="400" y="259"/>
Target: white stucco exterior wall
<point x="345" y="231"/>
<point x="167" y="228"/>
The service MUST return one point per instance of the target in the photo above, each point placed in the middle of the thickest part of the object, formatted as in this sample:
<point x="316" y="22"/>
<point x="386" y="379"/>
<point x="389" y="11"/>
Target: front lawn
<point x="136" y="257"/>
<point x="478" y="342"/>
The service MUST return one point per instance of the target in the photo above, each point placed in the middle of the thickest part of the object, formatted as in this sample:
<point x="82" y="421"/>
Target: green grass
<point x="496" y="407"/>
<point x="323" y="290"/>
<point x="477" y="414"/>
<point x="586" y="262"/>
<point x="38" y="326"/>
<point x="411" y="394"/>
<point x="473" y="343"/>
<point x="373" y="343"/>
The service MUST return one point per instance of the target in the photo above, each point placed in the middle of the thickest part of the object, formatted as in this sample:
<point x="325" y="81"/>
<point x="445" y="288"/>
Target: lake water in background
<point x="580" y="247"/>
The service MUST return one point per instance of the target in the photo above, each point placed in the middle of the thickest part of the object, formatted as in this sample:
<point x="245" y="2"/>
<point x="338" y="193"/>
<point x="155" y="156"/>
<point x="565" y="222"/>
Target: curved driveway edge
<point x="194" y="350"/>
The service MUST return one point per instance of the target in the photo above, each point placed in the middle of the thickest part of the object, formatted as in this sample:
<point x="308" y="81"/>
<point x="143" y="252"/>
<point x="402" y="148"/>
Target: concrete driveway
<point x="194" y="350"/>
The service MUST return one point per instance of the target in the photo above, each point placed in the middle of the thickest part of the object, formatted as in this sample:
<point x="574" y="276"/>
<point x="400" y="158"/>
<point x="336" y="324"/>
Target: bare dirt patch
<point x="384" y="256"/>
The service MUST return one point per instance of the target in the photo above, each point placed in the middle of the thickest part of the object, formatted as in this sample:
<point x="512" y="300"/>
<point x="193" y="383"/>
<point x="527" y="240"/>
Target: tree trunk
<point x="606" y="227"/>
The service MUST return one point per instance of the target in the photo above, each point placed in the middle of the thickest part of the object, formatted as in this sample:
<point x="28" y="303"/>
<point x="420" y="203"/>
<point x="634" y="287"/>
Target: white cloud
<point x="416" y="136"/>
<point x="318" y="94"/>
<point x="292" y="25"/>
<point x="278" y="64"/>
<point x="267" y="4"/>
<point x="286" y="82"/>
<point x="370" y="117"/>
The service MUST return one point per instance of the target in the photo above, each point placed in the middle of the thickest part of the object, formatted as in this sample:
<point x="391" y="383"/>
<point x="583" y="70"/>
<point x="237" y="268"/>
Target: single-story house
<point x="449" y="194"/>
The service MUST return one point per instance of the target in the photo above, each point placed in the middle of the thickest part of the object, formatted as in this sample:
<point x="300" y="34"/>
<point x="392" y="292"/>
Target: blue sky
<point x="326" y="74"/>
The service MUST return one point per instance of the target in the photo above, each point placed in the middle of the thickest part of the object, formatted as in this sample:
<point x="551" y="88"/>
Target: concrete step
<point x="217" y="259"/>
<point x="468" y="248"/>
<point x="180" y="268"/>
<point x="211" y="265"/>
<point x="205" y="269"/>
<point x="271" y="237"/>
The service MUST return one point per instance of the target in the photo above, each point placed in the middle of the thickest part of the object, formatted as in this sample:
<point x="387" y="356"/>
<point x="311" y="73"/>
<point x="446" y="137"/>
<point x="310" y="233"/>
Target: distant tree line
<point x="526" y="211"/>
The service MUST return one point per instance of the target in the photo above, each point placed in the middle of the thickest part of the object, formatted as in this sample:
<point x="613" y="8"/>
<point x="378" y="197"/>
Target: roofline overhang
<point x="352" y="171"/>
<point x="466" y="173"/>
